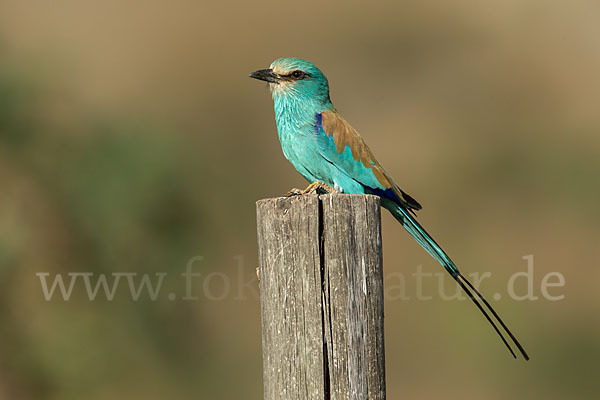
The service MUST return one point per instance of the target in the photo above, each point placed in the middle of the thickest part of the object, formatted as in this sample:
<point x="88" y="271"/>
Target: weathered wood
<point x="321" y="289"/>
<point x="353" y="282"/>
<point x="290" y="287"/>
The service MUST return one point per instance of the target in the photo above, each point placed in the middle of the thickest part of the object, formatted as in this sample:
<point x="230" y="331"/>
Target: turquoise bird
<point x="333" y="157"/>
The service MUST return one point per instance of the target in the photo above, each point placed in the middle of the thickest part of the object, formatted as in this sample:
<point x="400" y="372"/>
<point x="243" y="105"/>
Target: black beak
<point x="265" y="75"/>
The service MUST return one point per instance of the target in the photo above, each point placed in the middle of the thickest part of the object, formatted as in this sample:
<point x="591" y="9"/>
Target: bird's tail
<point x="426" y="241"/>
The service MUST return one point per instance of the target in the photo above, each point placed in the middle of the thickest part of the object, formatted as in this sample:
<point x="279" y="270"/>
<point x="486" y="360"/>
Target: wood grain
<point x="321" y="290"/>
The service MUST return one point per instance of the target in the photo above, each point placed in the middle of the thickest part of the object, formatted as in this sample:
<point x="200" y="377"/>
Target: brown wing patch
<point x="345" y="135"/>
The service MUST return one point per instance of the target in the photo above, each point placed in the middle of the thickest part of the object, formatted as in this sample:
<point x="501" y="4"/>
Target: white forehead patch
<point x="279" y="70"/>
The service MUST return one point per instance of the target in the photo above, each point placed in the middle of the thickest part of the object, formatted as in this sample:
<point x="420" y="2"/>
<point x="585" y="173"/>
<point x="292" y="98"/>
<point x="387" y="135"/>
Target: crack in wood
<point x="321" y="291"/>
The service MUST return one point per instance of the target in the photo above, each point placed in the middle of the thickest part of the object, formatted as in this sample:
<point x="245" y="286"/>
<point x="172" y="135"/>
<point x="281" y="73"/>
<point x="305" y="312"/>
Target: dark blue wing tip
<point x="319" y="123"/>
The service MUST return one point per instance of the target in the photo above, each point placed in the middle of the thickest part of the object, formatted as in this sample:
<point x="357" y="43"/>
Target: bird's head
<point x="295" y="78"/>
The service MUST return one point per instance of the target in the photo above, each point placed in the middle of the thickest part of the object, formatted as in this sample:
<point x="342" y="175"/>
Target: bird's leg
<point x="312" y="188"/>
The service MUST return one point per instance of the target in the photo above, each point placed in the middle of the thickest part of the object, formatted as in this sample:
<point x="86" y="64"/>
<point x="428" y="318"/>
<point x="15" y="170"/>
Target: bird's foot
<point x="294" y="192"/>
<point x="311" y="189"/>
<point x="322" y="186"/>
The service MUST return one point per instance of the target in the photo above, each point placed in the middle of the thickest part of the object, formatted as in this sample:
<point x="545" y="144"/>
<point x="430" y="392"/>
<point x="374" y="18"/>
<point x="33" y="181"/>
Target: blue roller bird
<point x="333" y="157"/>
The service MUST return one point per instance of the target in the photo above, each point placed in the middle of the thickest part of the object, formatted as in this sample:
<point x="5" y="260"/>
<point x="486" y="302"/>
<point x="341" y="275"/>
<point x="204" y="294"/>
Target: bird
<point x="331" y="155"/>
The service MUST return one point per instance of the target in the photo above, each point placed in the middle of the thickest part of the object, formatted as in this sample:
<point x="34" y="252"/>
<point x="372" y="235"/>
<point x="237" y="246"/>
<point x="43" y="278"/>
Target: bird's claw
<point x="294" y="192"/>
<point x="311" y="189"/>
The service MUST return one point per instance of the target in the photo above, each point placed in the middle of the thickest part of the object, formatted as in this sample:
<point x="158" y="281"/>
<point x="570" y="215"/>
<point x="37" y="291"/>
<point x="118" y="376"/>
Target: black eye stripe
<point x="297" y="75"/>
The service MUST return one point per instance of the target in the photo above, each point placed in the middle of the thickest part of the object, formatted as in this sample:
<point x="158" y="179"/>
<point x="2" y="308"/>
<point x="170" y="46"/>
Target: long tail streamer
<point x="427" y="242"/>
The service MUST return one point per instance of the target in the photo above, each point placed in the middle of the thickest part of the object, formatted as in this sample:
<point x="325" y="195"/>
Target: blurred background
<point x="132" y="140"/>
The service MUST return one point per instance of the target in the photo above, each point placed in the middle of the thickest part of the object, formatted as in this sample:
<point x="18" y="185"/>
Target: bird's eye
<point x="297" y="74"/>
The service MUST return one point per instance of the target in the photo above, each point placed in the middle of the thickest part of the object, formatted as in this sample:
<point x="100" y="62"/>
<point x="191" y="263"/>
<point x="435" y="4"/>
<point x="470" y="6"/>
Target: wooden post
<point x="321" y="291"/>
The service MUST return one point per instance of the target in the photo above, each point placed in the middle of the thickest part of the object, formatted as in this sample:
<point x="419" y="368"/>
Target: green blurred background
<point x="131" y="140"/>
